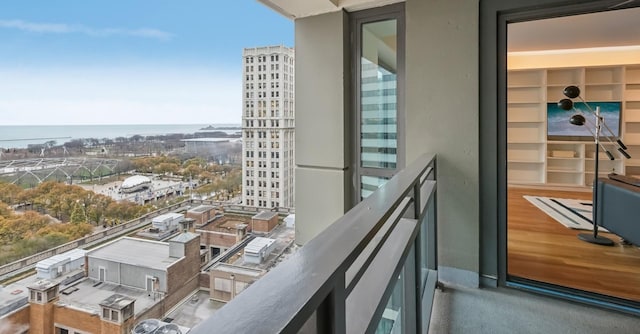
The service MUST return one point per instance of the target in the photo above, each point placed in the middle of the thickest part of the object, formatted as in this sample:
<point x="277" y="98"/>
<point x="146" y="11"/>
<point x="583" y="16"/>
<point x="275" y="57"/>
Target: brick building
<point x="264" y="222"/>
<point x="202" y="214"/>
<point x="227" y="281"/>
<point x="125" y="281"/>
<point x="223" y="232"/>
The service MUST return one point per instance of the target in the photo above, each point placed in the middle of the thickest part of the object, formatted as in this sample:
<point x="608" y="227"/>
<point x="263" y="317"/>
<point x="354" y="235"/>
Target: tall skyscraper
<point x="268" y="127"/>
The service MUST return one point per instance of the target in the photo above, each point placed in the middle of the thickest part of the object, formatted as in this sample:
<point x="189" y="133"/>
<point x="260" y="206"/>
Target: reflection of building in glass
<point x="268" y="127"/>
<point x="379" y="124"/>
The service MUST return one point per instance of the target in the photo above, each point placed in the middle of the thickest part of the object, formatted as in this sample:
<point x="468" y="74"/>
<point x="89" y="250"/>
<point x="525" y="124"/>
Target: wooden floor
<point x="541" y="249"/>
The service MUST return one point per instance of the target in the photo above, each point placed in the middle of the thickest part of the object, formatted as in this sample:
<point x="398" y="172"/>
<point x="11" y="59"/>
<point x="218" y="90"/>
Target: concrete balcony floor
<point x="504" y="310"/>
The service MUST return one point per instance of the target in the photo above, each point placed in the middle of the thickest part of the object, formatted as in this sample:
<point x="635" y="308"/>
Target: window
<point x="222" y="284"/>
<point x="379" y="42"/>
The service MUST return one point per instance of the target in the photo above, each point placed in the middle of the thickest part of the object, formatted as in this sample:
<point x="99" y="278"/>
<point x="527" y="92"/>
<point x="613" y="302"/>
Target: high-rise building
<point x="268" y="127"/>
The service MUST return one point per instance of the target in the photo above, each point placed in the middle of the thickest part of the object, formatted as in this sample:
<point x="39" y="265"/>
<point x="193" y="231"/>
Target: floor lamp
<point x="578" y="119"/>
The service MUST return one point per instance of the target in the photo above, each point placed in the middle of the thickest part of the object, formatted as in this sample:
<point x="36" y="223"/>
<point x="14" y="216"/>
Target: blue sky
<point x="129" y="62"/>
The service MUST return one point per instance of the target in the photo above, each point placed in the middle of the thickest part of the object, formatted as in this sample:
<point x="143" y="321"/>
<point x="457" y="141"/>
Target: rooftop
<point x="88" y="294"/>
<point x="228" y="268"/>
<point x="71" y="255"/>
<point x="117" y="301"/>
<point x="184" y="237"/>
<point x="282" y="248"/>
<point x="226" y="222"/>
<point x="257" y="244"/>
<point x="12" y="297"/>
<point x="201" y="208"/>
<point x="148" y="254"/>
<point x="42" y="285"/>
<point x="265" y="215"/>
<point x="194" y="310"/>
<point x="170" y="215"/>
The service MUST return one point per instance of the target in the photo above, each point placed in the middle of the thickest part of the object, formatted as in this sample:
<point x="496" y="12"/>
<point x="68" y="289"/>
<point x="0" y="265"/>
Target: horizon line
<point x="93" y="124"/>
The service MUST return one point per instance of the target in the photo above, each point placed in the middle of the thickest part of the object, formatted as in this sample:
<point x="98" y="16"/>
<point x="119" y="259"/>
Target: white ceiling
<point x="605" y="29"/>
<point x="303" y="8"/>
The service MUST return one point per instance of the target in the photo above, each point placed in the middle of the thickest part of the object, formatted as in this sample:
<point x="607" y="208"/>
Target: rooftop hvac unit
<point x="169" y="329"/>
<point x="148" y="326"/>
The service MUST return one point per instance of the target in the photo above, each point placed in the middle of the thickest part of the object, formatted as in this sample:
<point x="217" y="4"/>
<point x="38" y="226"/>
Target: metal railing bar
<point x="293" y="290"/>
<point x="427" y="191"/>
<point x="367" y="301"/>
<point x="427" y="173"/>
<point x="357" y="269"/>
<point x="417" y="200"/>
<point x="330" y="317"/>
<point x="432" y="233"/>
<point x="427" y="299"/>
<point x="383" y="200"/>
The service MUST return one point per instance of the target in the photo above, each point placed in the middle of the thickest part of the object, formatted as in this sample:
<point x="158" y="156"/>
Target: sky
<point x="129" y="61"/>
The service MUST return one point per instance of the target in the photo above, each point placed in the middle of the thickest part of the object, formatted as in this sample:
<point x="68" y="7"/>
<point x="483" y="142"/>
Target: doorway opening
<point x="551" y="164"/>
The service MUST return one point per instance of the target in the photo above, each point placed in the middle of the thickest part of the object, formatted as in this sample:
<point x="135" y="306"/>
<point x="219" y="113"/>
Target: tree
<point x="78" y="215"/>
<point x="166" y="168"/>
<point x="198" y="162"/>
<point x="191" y="170"/>
<point x="9" y="193"/>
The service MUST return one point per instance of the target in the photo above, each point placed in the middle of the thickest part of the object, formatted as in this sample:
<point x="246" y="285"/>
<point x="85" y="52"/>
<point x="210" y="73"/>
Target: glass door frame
<point x="357" y="19"/>
<point x="495" y="15"/>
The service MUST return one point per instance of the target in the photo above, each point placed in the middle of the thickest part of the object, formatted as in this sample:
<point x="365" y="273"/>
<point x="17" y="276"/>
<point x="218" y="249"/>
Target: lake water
<point x="20" y="136"/>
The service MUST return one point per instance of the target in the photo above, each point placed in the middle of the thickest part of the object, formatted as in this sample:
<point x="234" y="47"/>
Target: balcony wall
<point x="441" y="117"/>
<point x="322" y="123"/>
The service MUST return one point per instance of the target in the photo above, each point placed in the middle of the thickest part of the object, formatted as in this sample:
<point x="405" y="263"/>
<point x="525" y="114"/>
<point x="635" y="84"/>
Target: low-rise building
<point x="264" y="222"/>
<point x="125" y="281"/>
<point x="227" y="280"/>
<point x="202" y="214"/>
<point x="223" y="232"/>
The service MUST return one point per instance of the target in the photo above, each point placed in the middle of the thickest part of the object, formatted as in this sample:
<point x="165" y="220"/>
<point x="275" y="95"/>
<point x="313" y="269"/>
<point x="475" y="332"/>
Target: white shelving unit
<point x="532" y="159"/>
<point x="632" y="118"/>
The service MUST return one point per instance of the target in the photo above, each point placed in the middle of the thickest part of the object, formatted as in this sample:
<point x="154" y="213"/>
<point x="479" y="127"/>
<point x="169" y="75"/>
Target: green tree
<point x="78" y="215"/>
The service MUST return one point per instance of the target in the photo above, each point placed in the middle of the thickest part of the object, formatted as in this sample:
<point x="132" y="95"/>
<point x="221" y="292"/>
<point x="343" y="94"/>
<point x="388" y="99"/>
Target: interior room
<point x="551" y="153"/>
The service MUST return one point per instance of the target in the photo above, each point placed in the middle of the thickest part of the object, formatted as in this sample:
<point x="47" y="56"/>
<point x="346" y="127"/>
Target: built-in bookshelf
<point x="533" y="159"/>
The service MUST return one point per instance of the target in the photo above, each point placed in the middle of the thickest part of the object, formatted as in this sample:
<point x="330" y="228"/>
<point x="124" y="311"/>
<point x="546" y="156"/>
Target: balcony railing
<point x="373" y="270"/>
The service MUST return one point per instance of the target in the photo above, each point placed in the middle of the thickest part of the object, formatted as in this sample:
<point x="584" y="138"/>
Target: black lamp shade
<point x="571" y="92"/>
<point x="565" y="104"/>
<point x="578" y="120"/>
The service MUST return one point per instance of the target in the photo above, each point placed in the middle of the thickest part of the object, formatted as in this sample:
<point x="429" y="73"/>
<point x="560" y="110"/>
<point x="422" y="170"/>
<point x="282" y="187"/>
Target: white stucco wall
<point x="322" y="142"/>
<point x="443" y="117"/>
